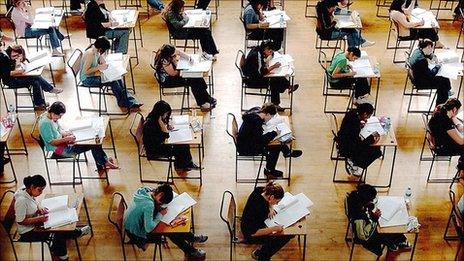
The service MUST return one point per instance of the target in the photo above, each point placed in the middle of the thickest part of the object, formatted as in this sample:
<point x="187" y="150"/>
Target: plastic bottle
<point x="387" y="124"/>
<point x="282" y="21"/>
<point x="408" y="195"/>
<point x="11" y="118"/>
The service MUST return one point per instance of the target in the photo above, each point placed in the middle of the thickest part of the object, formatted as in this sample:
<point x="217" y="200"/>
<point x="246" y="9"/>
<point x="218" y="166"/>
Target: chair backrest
<point x="408" y="67"/>
<point x="232" y="127"/>
<point x="136" y="130"/>
<point x="456" y="215"/>
<point x="323" y="61"/>
<point x="35" y="134"/>
<point x="8" y="219"/>
<point x="74" y="63"/>
<point x="428" y="133"/>
<point x="230" y="216"/>
<point x="334" y="125"/>
<point x="240" y="62"/>
<point x="118" y="218"/>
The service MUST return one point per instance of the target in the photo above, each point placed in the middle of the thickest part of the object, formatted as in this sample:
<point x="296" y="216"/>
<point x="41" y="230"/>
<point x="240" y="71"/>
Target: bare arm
<point x="170" y="70"/>
<point x="33" y="220"/>
<point x="456" y="136"/>
<point x="337" y="73"/>
<point x="268" y="231"/>
<point x="87" y="66"/>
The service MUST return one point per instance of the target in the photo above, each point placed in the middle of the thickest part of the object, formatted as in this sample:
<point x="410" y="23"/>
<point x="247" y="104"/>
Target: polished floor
<point x="311" y="174"/>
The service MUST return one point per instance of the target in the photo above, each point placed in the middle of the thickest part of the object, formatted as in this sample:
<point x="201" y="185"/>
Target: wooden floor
<point x="312" y="173"/>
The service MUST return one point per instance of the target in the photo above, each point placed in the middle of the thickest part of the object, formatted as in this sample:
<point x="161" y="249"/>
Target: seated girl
<point x="156" y="131"/>
<point x="92" y="65"/>
<point x="400" y="14"/>
<point x="258" y="208"/>
<point x="447" y="131"/>
<point x="29" y="215"/>
<point x="165" y="64"/>
<point x="23" y="25"/>
<point x="60" y="142"/>
<point x="144" y="213"/>
<point x="364" y="219"/>
<point x="176" y="19"/>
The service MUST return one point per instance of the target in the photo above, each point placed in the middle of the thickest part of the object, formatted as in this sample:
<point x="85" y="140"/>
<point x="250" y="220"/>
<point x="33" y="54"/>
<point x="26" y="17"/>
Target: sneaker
<point x="367" y="43"/>
<point x="200" y="238"/>
<point x="198" y="253"/>
<point x="450" y="93"/>
<point x="357" y="171"/>
<point x="136" y="107"/>
<point x="207" y="56"/>
<point x="393" y="248"/>
<point x="255" y="255"/>
<point x="56" y="53"/>
<point x="213" y="102"/>
<point x="293" y="88"/>
<point x="56" y="90"/>
<point x="405" y="245"/>
<point x="205" y="107"/>
<point x="294" y="154"/>
<point x="85" y="230"/>
<point x="363" y="99"/>
<point x="275" y="173"/>
<point x="193" y="166"/>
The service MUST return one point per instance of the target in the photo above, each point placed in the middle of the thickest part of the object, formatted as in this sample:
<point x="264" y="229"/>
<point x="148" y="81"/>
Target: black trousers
<point x="365" y="155"/>
<point x="181" y="240"/>
<point x="277" y="85"/>
<point x="272" y="155"/>
<point x="206" y="39"/>
<point x="454" y="150"/>
<point x="276" y="35"/>
<point x="75" y="4"/>
<point x="270" y="245"/>
<point x="375" y="242"/>
<point x="58" y="245"/>
<point x="197" y="85"/>
<point x="431" y="34"/>
<point x="441" y="84"/>
<point x="181" y="153"/>
<point x="2" y="154"/>
<point x="361" y="85"/>
<point x="202" y="4"/>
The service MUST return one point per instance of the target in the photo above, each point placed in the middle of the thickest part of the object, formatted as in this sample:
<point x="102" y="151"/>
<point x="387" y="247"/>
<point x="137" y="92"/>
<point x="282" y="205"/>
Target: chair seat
<point x="56" y="156"/>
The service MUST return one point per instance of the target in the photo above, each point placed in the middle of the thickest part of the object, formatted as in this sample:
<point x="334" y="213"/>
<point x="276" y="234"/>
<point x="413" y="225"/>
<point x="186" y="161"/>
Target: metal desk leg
<point x="135" y="46"/>
<point x="77" y="249"/>
<point x="199" y="162"/>
<point x="112" y="139"/>
<point x="88" y="216"/>
<point x="11" y="165"/>
<point x="377" y="93"/>
<point x="51" y="74"/>
<point x="414" y="246"/>
<point x="393" y="166"/>
<point x="304" y="247"/>
<point x="290" y="166"/>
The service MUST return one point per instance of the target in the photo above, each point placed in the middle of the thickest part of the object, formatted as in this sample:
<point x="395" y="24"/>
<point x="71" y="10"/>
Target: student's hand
<point x="170" y="127"/>
<point x="376" y="214"/>
<point x="272" y="212"/>
<point x="66" y="133"/>
<point x="351" y="73"/>
<point x="42" y="218"/>
<point x="42" y="211"/>
<point x="163" y="211"/>
<point x="376" y="136"/>
<point x="70" y="139"/>
<point x="179" y="221"/>
<point x="263" y="24"/>
<point x="114" y="23"/>
<point x="163" y="125"/>
<point x="277" y="229"/>
<point x="422" y="22"/>
<point x="276" y="65"/>
<point x="102" y="67"/>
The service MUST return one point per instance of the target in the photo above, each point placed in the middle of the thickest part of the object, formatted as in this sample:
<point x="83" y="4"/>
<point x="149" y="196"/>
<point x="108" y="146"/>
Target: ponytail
<point x="447" y="106"/>
<point x="274" y="189"/>
<point x="36" y="181"/>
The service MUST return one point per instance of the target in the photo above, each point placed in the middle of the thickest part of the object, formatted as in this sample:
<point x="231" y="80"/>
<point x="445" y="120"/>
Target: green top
<point x="84" y="76"/>
<point x="340" y="61"/>
<point x="49" y="130"/>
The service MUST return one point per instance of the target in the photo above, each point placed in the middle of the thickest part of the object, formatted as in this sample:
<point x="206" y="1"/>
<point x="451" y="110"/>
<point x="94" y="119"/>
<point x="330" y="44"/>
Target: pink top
<point x="21" y="19"/>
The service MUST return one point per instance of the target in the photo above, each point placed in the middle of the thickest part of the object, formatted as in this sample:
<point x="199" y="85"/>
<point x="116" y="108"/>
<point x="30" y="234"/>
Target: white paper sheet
<point x="197" y="19"/>
<point x="372" y="125"/>
<point x="37" y="60"/>
<point x="394" y="211"/>
<point x="61" y="218"/>
<point x="178" y="204"/>
<point x="88" y="132"/>
<point x="291" y="215"/>
<point x="55" y="203"/>
<point x="180" y="135"/>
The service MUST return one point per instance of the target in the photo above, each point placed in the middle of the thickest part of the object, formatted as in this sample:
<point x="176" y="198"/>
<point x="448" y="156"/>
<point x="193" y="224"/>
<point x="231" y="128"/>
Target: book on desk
<point x="59" y="214"/>
<point x="179" y="204"/>
<point x="277" y="123"/>
<point x="394" y="211"/>
<point x="36" y="60"/>
<point x="87" y="129"/>
<point x="289" y="210"/>
<point x="451" y="65"/>
<point x="115" y="69"/>
<point x="372" y="125"/>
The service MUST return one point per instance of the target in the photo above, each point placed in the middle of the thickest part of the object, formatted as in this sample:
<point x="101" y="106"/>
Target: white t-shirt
<point x="25" y="206"/>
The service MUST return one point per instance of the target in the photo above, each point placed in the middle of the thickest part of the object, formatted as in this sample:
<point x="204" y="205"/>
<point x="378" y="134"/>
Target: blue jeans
<point x="38" y="83"/>
<point x="53" y="33"/>
<point x="120" y="38"/>
<point x="157" y="4"/>
<point x="352" y="35"/>
<point x="97" y="152"/>
<point x="123" y="98"/>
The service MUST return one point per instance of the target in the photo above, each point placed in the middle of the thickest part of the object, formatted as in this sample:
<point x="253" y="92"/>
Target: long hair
<point x="447" y="106"/>
<point x="396" y="5"/>
<point x="160" y="108"/>
<point x="164" y="53"/>
<point x="274" y="189"/>
<point x="17" y="49"/>
<point x="175" y="6"/>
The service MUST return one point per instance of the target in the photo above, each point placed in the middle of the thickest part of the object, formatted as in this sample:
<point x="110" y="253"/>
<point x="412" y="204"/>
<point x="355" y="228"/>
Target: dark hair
<point x="174" y="6"/>
<point x="267" y="44"/>
<point x="330" y="3"/>
<point x="365" y="108"/>
<point x="355" y="50"/>
<point x="36" y="181"/>
<point x="160" y="108"/>
<point x="447" y="106"/>
<point x="274" y="189"/>
<point x="17" y="49"/>
<point x="396" y="5"/>
<point x="57" y="108"/>
<point x="164" y="53"/>
<point x="167" y="193"/>
<point x="424" y="43"/>
<point x="366" y="193"/>
<point x="254" y="3"/>
<point x="102" y="44"/>
<point x="268" y="107"/>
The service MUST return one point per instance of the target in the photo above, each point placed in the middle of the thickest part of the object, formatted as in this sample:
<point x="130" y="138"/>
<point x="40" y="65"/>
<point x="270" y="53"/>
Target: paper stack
<point x="289" y="210"/>
<point x="394" y="211"/>
<point x="59" y="213"/>
<point x="179" y="204"/>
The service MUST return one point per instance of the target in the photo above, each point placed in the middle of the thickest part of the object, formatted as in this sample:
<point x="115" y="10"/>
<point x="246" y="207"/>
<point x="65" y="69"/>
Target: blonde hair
<point x="274" y="189"/>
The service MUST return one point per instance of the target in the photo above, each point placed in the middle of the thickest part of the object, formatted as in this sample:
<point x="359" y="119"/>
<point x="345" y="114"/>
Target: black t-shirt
<point x="6" y="66"/>
<point x="439" y="124"/>
<point x="255" y="212"/>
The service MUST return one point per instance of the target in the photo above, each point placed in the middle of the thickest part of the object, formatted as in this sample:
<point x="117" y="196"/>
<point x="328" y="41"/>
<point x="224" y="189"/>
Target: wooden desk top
<point x="163" y="228"/>
<point x="276" y="142"/>
<point x="74" y="200"/>
<point x="106" y="121"/>
<point x="299" y="228"/>
<point x="352" y="17"/>
<point x="388" y="139"/>
<point x="197" y="136"/>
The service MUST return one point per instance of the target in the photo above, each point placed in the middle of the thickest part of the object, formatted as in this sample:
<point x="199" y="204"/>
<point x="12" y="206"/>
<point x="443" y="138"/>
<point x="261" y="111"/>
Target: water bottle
<point x="408" y="195"/>
<point x="387" y="124"/>
<point x="282" y="21"/>
<point x="11" y="118"/>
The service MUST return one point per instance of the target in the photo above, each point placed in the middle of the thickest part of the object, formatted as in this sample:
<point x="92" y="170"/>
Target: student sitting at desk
<point x="399" y="14"/>
<point x="98" y="22"/>
<point x="258" y="208"/>
<point x="253" y="18"/>
<point x="165" y="64"/>
<point x="251" y="139"/>
<point x="340" y="75"/>
<point x="20" y="15"/>
<point x="13" y="75"/>
<point x="257" y="66"/>
<point x="364" y="215"/>
<point x="359" y="153"/>
<point x="326" y="29"/>
<point x="92" y="65"/>
<point x="144" y="213"/>
<point x="176" y="19"/>
<point x="60" y="142"/>
<point x="447" y="131"/>
<point x="156" y="131"/>
<point x="424" y="77"/>
<point x="29" y="215"/>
